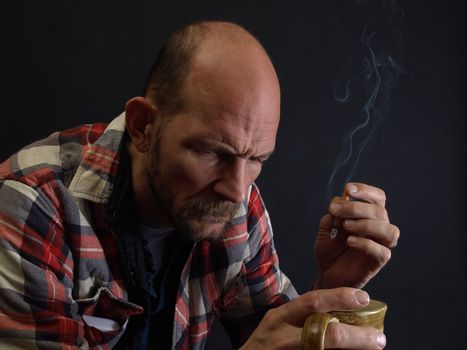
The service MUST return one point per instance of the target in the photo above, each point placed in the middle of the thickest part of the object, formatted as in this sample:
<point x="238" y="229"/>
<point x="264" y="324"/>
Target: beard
<point x="205" y="219"/>
<point x="199" y="218"/>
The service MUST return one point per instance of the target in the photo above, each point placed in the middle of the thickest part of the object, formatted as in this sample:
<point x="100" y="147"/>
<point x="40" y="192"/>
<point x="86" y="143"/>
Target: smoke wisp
<point x="375" y="67"/>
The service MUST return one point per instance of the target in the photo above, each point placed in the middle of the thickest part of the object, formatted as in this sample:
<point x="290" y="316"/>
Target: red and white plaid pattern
<point x="59" y="260"/>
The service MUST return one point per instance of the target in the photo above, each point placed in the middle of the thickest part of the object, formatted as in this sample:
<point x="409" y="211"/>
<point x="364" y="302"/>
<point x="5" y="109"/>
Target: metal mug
<point x="316" y="324"/>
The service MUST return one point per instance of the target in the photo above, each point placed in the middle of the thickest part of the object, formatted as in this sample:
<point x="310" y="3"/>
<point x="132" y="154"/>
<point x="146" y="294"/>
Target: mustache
<point x="211" y="208"/>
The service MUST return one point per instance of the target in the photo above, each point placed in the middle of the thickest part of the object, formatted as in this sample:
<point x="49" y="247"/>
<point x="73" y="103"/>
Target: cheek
<point x="188" y="176"/>
<point x="253" y="172"/>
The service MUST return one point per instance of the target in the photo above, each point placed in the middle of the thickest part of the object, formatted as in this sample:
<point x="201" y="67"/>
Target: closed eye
<point x="257" y="160"/>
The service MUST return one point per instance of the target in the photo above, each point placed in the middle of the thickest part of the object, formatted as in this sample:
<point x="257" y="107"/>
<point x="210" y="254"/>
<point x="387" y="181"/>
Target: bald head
<point x="207" y="123"/>
<point x="210" y="50"/>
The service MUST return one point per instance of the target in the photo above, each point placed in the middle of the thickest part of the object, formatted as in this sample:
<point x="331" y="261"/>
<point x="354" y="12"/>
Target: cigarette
<point x="337" y="222"/>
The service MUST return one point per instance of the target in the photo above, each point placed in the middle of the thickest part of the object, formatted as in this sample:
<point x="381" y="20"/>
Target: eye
<point x="204" y="151"/>
<point x="211" y="154"/>
<point x="256" y="160"/>
<point x="208" y="152"/>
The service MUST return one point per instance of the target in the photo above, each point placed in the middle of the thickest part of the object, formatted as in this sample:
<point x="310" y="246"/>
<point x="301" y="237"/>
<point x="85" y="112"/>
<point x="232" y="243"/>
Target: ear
<point x="140" y="114"/>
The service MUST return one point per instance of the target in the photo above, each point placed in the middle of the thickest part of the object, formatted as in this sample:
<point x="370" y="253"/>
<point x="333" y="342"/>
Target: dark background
<point x="64" y="64"/>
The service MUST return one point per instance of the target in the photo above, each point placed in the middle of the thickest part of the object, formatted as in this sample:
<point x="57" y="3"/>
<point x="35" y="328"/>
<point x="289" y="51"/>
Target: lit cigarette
<point x="337" y="222"/>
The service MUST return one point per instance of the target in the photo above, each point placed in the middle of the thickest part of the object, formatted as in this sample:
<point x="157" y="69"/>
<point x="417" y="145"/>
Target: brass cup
<point x="315" y="326"/>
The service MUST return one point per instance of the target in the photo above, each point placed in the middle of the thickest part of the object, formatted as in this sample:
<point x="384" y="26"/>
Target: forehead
<point x="243" y="135"/>
<point x="233" y="97"/>
<point x="237" y="79"/>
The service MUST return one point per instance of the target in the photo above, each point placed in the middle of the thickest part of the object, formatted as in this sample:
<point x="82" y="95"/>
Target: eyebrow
<point x="223" y="147"/>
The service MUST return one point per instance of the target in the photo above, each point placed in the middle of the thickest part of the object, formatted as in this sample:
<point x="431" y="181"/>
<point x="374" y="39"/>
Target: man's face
<point x="204" y="158"/>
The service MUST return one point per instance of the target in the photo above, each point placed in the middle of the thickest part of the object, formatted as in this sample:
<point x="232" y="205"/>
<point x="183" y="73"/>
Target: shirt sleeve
<point x="264" y="284"/>
<point x="36" y="275"/>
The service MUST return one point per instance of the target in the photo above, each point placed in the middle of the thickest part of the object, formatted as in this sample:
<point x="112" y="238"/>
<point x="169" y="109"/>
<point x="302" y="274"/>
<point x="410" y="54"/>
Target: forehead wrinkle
<point x="262" y="129"/>
<point x="240" y="147"/>
<point x="254" y="129"/>
<point x="249" y="116"/>
<point x="240" y="103"/>
<point x="236" y="144"/>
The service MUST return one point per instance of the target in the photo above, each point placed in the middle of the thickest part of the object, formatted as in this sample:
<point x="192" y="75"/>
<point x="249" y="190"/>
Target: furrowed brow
<point x="223" y="147"/>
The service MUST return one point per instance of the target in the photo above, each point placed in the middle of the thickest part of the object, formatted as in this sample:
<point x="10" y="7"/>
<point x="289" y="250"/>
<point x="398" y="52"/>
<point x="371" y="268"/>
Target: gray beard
<point x="208" y="211"/>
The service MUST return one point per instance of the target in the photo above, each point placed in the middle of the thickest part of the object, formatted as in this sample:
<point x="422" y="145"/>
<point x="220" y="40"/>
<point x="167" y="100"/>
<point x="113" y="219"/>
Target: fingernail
<point x="381" y="340"/>
<point x="352" y="188"/>
<point x="362" y="297"/>
<point x="351" y="240"/>
<point x="335" y="207"/>
<point x="349" y="223"/>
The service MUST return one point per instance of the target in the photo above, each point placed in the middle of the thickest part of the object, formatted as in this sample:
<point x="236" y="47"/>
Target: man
<point x="140" y="233"/>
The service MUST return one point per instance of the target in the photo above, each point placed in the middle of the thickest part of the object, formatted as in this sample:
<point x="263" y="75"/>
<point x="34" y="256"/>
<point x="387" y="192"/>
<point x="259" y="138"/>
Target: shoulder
<point x="55" y="157"/>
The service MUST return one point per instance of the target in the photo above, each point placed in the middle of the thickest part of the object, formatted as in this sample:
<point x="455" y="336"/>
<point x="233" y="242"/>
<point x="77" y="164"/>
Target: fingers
<point x="366" y="219"/>
<point x="326" y="221"/>
<point x="378" y="252"/>
<point x="281" y="328"/>
<point x="343" y="336"/>
<point x="296" y="311"/>
<point x="384" y="233"/>
<point x="354" y="209"/>
<point x="366" y="193"/>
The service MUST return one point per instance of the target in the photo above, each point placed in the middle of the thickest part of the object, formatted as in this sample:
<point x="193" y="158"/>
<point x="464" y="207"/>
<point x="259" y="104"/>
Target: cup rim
<point x="373" y="307"/>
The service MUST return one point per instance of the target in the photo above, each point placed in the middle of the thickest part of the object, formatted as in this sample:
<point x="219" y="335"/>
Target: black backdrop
<point x="67" y="63"/>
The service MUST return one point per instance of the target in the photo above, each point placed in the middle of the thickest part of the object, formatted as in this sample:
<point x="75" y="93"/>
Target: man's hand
<point x="281" y="328"/>
<point x="363" y="244"/>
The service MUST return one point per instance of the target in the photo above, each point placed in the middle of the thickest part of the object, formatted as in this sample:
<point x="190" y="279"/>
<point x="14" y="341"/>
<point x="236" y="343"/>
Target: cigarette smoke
<point x="376" y="66"/>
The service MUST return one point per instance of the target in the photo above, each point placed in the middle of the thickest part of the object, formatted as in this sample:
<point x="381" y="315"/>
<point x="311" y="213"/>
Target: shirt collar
<point x="93" y="179"/>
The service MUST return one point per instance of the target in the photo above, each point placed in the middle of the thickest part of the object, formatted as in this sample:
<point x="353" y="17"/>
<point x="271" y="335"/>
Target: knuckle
<point x="363" y="225"/>
<point x="325" y="220"/>
<point x="370" y="339"/>
<point x="382" y="195"/>
<point x="396" y="232"/>
<point x="336" y="335"/>
<point x="386" y="255"/>
<point x="367" y="246"/>
<point x="315" y="300"/>
<point x="270" y="316"/>
<point x="382" y="213"/>
<point x="345" y="297"/>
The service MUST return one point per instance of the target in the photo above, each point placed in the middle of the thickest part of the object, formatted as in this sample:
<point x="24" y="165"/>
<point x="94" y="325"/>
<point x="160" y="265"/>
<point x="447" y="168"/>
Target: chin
<point x="199" y="230"/>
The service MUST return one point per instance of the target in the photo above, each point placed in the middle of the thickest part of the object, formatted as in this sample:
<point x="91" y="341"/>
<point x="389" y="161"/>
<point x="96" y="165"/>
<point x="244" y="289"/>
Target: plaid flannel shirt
<point x="59" y="260"/>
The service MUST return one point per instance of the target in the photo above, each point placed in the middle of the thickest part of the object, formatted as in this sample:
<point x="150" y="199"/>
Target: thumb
<point x="296" y="311"/>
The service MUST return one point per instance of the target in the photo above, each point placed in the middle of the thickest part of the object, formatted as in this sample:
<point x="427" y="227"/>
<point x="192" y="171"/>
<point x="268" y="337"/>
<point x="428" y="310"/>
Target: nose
<point x="232" y="183"/>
